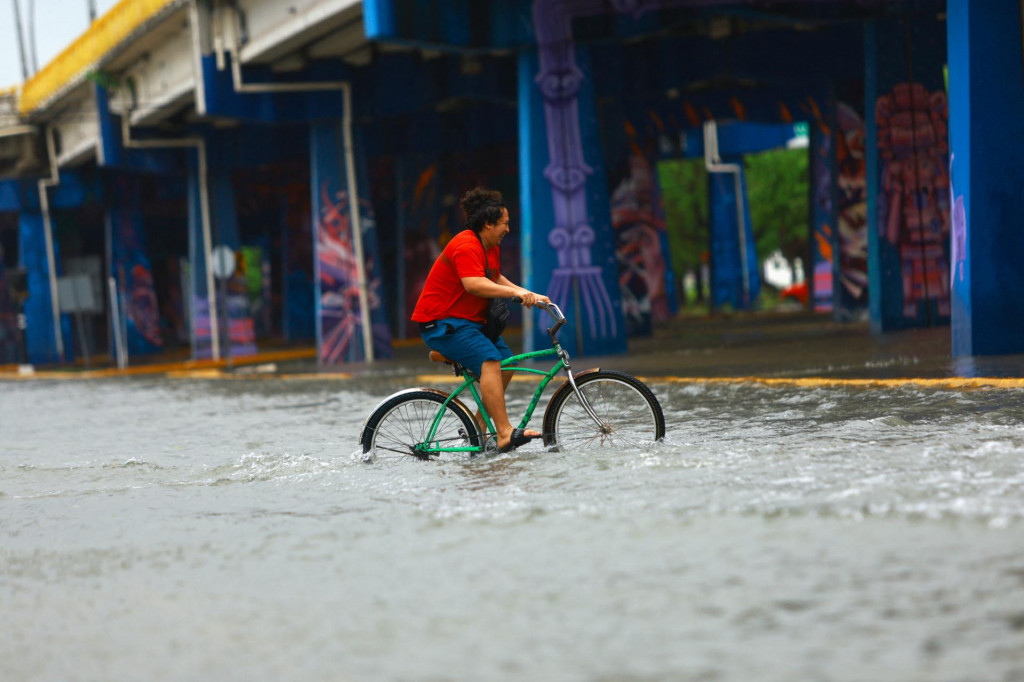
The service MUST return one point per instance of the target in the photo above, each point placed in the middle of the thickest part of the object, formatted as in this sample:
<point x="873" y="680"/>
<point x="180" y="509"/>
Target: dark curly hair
<point x="482" y="206"/>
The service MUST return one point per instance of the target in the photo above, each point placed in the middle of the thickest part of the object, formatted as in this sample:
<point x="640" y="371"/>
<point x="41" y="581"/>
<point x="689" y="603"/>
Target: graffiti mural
<point x="913" y="203"/>
<point x="958" y="243"/>
<point x="823" y="232"/>
<point x="142" y="309"/>
<point x="9" y="308"/>
<point x="339" y="282"/>
<point x="132" y="269"/>
<point x="852" y="210"/>
<point x="639" y="226"/>
<point x="572" y="236"/>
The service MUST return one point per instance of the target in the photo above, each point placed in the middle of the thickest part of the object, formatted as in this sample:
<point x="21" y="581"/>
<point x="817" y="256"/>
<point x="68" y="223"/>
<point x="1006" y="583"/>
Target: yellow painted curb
<point x="209" y="369"/>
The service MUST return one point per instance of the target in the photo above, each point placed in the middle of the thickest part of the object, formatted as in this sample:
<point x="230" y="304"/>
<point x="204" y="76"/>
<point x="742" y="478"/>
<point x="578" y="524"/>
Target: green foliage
<point x="777" y="191"/>
<point x="684" y="193"/>
<point x="777" y="186"/>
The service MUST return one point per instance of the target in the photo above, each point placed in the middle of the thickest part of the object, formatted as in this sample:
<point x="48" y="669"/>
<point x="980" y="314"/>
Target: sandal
<point x="518" y="438"/>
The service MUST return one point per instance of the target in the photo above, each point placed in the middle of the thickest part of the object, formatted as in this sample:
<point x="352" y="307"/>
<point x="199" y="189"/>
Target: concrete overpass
<point x="174" y="126"/>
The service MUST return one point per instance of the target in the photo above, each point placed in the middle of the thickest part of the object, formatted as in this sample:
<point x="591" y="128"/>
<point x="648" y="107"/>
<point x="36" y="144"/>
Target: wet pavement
<point x="216" y="528"/>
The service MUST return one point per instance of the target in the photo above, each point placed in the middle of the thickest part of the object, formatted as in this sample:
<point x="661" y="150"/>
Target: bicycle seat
<point x="437" y="357"/>
<point x="457" y="369"/>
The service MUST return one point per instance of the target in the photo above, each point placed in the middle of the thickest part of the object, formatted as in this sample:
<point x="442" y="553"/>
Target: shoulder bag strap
<point x="487" y="268"/>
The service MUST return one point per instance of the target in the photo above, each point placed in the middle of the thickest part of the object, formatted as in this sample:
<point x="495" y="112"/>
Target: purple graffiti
<point x="339" y="302"/>
<point x="559" y="82"/>
<point x="959" y="226"/>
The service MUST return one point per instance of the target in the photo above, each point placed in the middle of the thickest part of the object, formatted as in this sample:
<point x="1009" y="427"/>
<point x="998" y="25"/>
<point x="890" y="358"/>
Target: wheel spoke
<point x="405" y="425"/>
<point x="627" y="417"/>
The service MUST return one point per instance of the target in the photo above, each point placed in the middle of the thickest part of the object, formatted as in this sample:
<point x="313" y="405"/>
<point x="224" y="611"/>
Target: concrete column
<point x="198" y="281"/>
<point x="40" y="340"/>
<point x="986" y="131"/>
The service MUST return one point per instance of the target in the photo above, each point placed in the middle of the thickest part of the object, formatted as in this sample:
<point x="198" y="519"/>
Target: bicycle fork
<point x="605" y="428"/>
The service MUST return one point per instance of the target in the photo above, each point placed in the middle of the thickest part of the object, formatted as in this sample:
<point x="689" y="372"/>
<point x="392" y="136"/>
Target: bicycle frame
<point x="511" y="364"/>
<point x="470" y="382"/>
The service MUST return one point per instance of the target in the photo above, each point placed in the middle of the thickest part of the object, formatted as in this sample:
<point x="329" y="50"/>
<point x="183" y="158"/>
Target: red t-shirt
<point x="443" y="294"/>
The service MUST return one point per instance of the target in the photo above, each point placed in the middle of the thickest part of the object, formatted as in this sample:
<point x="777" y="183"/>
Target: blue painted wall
<point x="987" y="113"/>
<point x="39" y="333"/>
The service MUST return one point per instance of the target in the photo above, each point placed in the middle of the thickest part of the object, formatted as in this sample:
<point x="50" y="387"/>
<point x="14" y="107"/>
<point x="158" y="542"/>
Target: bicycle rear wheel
<point x="400" y="426"/>
<point x="630" y="414"/>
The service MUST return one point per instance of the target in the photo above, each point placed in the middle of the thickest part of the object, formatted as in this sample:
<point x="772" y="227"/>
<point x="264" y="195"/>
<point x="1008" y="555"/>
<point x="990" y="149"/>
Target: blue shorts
<point x="464" y="342"/>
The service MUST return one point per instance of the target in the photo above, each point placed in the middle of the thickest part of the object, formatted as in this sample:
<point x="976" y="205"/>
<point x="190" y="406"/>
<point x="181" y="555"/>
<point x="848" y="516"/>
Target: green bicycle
<point x="596" y="408"/>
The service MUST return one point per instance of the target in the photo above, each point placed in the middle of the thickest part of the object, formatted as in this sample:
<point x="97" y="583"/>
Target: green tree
<point x="684" y="194"/>
<point x="777" y="191"/>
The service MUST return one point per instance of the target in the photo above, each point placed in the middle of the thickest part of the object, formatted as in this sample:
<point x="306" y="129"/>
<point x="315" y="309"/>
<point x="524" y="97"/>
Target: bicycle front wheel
<point x="400" y="426"/>
<point x="629" y="413"/>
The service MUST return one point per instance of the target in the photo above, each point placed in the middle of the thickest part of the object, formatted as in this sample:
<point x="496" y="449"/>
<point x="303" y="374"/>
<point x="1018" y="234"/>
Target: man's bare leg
<point x="492" y="392"/>
<point x="506" y="378"/>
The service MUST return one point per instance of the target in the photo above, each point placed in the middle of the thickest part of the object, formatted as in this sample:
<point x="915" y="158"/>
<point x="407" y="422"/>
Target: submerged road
<point x="839" y="520"/>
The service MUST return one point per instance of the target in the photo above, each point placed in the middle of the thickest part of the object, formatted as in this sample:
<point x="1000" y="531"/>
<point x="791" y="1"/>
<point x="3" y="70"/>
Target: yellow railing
<point x="104" y="35"/>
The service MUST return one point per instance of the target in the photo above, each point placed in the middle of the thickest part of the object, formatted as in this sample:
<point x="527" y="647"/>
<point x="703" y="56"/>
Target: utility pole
<point x="21" y="40"/>
<point x="33" y="54"/>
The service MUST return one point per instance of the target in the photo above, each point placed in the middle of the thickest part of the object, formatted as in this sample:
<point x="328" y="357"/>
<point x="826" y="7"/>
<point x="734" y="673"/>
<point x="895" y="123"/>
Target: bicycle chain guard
<point x="490" y="447"/>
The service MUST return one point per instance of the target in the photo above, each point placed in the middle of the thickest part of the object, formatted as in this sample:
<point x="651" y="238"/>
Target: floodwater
<point x="228" y="530"/>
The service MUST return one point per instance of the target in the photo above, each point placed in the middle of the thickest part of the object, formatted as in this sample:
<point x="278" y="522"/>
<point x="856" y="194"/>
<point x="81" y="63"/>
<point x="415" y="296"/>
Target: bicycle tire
<point x="402" y="421"/>
<point x="629" y="409"/>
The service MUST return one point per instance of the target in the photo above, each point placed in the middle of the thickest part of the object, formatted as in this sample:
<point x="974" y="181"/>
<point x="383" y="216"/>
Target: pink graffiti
<point x="913" y="141"/>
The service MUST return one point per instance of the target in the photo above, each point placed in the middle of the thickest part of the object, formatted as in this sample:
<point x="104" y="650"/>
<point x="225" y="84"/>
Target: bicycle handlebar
<point x="559" y="318"/>
<point x="553" y="310"/>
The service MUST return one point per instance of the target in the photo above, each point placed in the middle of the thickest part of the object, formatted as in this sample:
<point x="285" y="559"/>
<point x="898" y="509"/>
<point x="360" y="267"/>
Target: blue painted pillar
<point x="238" y="329"/>
<point x="567" y="242"/>
<point x="339" y="320"/>
<point x="131" y="267"/>
<point x="534" y="194"/>
<point x="225" y="217"/>
<point x="986" y="135"/>
<point x="875" y="292"/>
<point x="729" y="255"/>
<point x="38" y="308"/>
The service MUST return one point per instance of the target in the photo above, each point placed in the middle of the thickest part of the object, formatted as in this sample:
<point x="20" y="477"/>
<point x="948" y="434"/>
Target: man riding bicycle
<point x="453" y="306"/>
